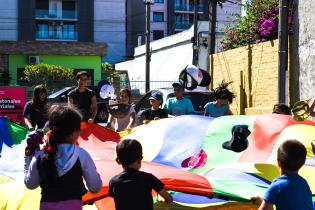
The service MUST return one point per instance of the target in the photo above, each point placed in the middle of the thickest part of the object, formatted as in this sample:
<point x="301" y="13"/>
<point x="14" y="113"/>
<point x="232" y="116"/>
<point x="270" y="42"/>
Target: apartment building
<point x="59" y="32"/>
<point x="172" y="16"/>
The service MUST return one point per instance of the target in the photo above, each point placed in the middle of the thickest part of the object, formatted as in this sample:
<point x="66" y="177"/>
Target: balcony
<point x="188" y="8"/>
<point x="56" y="14"/>
<point x="182" y="25"/>
<point x="57" y="35"/>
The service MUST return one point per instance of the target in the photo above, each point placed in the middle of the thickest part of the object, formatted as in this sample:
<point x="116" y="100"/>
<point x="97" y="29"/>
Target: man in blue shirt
<point x="290" y="191"/>
<point x="178" y="105"/>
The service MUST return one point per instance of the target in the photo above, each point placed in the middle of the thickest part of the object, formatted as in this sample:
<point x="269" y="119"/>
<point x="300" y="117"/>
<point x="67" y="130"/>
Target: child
<point x="178" y="105"/>
<point x="281" y="109"/>
<point x="58" y="169"/>
<point x="128" y="121"/>
<point x="131" y="189"/>
<point x="35" y="111"/>
<point x="155" y="112"/>
<point x="289" y="191"/>
<point x="223" y="97"/>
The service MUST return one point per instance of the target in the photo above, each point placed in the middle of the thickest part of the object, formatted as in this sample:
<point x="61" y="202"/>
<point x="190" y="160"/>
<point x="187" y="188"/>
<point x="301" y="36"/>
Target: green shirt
<point x="179" y="107"/>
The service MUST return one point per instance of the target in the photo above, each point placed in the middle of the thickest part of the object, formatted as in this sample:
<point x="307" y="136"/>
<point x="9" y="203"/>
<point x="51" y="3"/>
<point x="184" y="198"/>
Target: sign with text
<point x="12" y="101"/>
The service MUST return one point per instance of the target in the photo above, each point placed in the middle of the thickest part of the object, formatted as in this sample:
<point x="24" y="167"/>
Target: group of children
<point x="62" y="167"/>
<point x="65" y="171"/>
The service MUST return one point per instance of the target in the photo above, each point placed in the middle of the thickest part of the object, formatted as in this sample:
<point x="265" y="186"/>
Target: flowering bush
<point x="52" y="76"/>
<point x="259" y="24"/>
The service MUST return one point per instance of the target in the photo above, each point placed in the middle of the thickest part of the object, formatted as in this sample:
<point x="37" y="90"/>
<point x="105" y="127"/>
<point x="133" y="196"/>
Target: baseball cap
<point x="156" y="96"/>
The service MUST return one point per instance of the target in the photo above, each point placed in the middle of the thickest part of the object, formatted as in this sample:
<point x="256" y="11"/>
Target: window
<point x="158" y="17"/>
<point x="159" y="1"/>
<point x="158" y="34"/>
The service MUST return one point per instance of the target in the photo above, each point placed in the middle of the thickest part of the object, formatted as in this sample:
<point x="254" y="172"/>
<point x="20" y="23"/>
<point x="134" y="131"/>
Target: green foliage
<point x="107" y="67"/>
<point x="52" y="76"/>
<point x="247" y="29"/>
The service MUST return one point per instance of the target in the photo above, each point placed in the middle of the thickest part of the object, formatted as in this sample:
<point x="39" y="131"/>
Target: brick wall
<point x="52" y="48"/>
<point x="254" y="70"/>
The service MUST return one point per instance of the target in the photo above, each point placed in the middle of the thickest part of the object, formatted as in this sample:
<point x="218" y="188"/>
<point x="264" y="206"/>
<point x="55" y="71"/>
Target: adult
<point x="178" y="105"/>
<point x="127" y="121"/>
<point x="83" y="98"/>
<point x="35" y="111"/>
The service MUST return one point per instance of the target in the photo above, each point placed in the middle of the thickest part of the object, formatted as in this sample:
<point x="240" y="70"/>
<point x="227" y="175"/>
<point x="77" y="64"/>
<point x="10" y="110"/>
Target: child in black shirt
<point x="131" y="189"/>
<point x="155" y="112"/>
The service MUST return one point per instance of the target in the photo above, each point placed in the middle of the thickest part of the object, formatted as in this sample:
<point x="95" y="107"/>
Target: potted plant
<point x="4" y="78"/>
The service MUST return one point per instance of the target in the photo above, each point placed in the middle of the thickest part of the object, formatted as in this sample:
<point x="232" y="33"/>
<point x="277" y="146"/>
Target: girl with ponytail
<point x="60" y="167"/>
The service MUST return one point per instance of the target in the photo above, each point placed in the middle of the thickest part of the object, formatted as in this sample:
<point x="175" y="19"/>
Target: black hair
<point x="80" y="73"/>
<point x="292" y="155"/>
<point x="281" y="109"/>
<point x="128" y="151"/>
<point x="36" y="102"/>
<point x="222" y="90"/>
<point x="63" y="121"/>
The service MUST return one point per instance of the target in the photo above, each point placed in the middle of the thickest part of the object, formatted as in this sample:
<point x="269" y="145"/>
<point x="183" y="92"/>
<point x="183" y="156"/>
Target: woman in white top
<point x="128" y="121"/>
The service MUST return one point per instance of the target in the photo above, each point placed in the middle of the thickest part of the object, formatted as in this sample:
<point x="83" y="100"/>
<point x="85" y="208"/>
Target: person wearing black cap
<point x="178" y="105"/>
<point x="83" y="98"/>
<point x="155" y="112"/>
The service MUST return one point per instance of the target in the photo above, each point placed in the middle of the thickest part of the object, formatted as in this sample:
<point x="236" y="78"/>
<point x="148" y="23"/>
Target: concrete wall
<point x="109" y="27"/>
<point x="304" y="37"/>
<point x="254" y="70"/>
<point x="8" y="20"/>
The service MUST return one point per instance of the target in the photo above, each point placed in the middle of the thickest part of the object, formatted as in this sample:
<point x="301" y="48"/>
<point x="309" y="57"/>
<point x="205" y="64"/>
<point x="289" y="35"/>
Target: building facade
<point x="55" y="20"/>
<point x="172" y="16"/>
<point x="55" y="32"/>
<point x="110" y="28"/>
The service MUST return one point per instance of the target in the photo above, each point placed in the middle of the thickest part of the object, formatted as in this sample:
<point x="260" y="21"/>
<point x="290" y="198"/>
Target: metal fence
<point x="136" y="86"/>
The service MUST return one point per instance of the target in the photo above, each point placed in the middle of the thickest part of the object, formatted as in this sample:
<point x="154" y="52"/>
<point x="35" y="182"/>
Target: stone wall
<point x="254" y="72"/>
<point x="304" y="36"/>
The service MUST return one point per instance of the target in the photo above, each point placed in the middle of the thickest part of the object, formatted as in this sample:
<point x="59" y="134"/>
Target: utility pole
<point x="283" y="51"/>
<point x="148" y="4"/>
<point x="211" y="35"/>
<point x="195" y="39"/>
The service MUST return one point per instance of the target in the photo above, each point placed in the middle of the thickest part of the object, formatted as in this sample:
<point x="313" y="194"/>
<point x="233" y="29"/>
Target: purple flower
<point x="267" y="27"/>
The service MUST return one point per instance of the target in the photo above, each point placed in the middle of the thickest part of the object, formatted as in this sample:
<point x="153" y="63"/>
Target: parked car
<point x="61" y="96"/>
<point x="198" y="97"/>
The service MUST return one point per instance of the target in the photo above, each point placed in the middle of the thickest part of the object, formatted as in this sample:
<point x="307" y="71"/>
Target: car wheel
<point x="102" y="115"/>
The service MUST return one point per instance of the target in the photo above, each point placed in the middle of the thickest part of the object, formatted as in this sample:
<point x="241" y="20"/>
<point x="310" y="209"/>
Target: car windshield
<point x="55" y="94"/>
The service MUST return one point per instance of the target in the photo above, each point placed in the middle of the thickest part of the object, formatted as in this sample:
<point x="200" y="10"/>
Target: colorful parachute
<point x="184" y="152"/>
